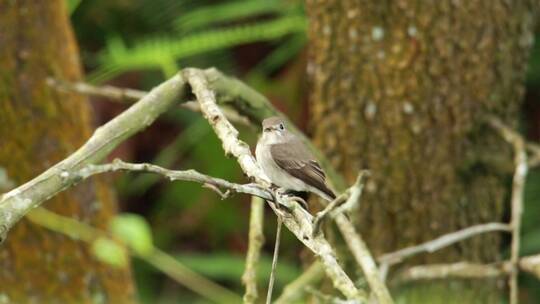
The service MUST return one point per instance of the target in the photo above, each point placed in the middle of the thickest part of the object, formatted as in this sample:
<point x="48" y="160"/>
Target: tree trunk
<point x="401" y="88"/>
<point x="38" y="127"/>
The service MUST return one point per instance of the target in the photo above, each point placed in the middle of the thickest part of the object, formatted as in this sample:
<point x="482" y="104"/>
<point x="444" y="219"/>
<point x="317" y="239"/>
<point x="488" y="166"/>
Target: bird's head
<point x="273" y="128"/>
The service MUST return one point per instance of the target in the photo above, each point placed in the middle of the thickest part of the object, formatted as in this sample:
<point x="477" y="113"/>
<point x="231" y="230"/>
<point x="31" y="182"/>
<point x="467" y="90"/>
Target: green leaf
<point x="110" y="252"/>
<point x="160" y="51"/>
<point x="228" y="11"/>
<point x="224" y="266"/>
<point x="134" y="231"/>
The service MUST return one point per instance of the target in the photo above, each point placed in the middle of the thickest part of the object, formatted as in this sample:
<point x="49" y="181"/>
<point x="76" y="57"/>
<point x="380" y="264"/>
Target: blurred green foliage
<point x="110" y="252"/>
<point x="134" y="231"/>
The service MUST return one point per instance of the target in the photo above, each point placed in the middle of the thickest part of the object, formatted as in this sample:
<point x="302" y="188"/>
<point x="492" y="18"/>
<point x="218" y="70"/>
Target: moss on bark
<point x="38" y="127"/>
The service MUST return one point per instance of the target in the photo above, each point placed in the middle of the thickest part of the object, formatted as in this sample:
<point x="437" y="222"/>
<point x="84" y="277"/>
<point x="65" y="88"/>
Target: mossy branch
<point x="17" y="202"/>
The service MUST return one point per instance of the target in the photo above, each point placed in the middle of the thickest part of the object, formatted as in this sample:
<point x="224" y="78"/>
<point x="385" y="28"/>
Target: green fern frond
<point x="155" y="52"/>
<point x="230" y="11"/>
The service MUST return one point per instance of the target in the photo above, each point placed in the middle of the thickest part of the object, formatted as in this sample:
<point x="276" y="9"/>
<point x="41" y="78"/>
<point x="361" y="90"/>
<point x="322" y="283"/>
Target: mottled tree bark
<point x="38" y="127"/>
<point x="401" y="88"/>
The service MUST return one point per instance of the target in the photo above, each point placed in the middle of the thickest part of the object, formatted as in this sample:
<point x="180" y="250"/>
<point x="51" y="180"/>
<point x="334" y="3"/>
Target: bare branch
<point x="456" y="270"/>
<point x="117" y="94"/>
<point x="518" y="185"/>
<point x="173" y="175"/>
<point x="274" y="262"/>
<point x="355" y="243"/>
<point x="363" y="257"/>
<point x="440" y="242"/>
<point x="222" y="194"/>
<point x="468" y="270"/>
<point x="256" y="241"/>
<point x="127" y="95"/>
<point x="15" y="204"/>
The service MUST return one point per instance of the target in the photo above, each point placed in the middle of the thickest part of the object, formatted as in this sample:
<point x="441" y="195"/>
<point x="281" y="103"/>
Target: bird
<point x="287" y="162"/>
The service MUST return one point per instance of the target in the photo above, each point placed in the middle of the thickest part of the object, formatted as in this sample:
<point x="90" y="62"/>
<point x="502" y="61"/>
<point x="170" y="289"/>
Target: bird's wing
<point x="296" y="160"/>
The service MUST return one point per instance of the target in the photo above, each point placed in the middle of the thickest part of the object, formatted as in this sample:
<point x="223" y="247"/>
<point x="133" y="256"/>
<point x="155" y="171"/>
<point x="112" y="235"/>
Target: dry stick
<point x="440" y="242"/>
<point x="173" y="175"/>
<point x="298" y="221"/>
<point x="518" y="185"/>
<point x="468" y="270"/>
<point x="274" y="262"/>
<point x="358" y="247"/>
<point x="17" y="202"/>
<point x="256" y="241"/>
<point x="127" y="95"/>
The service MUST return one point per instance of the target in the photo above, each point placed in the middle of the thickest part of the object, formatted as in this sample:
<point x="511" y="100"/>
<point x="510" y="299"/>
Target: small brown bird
<point x="288" y="163"/>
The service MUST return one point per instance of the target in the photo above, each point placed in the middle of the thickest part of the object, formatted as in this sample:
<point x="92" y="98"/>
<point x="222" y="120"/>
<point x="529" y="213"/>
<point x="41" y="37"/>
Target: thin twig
<point x="440" y="242"/>
<point x="274" y="262"/>
<point x="468" y="270"/>
<point x="127" y="95"/>
<point x="256" y="241"/>
<point x="518" y="186"/>
<point x="173" y="175"/>
<point x="358" y="247"/>
<point x="363" y="257"/>
<point x="464" y="270"/>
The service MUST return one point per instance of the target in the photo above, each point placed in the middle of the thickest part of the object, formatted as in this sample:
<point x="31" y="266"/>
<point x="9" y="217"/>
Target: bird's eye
<point x="281" y="127"/>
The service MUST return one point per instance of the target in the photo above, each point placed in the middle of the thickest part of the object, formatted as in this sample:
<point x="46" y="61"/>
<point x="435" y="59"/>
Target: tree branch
<point x="17" y="202"/>
<point x="468" y="270"/>
<point x="518" y="185"/>
<point x="128" y="96"/>
<point x="256" y="241"/>
<point x="440" y="242"/>
<point x="358" y="248"/>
